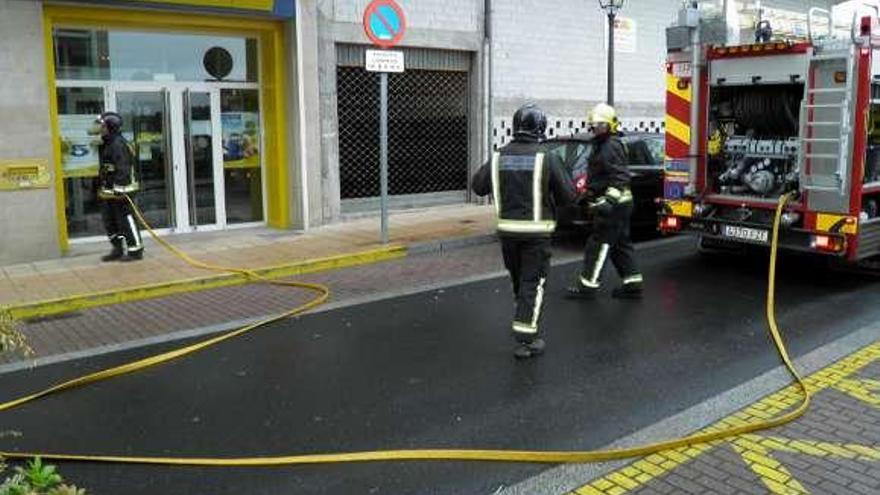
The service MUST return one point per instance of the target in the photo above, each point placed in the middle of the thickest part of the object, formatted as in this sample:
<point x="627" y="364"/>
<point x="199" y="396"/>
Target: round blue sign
<point x="384" y="23"/>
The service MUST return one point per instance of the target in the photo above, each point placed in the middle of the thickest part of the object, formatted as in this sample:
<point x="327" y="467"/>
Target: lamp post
<point x="611" y="8"/>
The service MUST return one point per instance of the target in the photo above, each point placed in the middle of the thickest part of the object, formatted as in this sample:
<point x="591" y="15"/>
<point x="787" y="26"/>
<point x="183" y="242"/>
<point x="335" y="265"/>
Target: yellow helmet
<point x="603" y="113"/>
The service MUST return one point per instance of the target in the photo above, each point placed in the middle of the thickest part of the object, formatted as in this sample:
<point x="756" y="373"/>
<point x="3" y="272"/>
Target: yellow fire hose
<point x="531" y="456"/>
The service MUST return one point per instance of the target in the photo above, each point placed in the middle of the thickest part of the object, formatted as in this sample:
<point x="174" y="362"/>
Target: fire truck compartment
<point x="754" y="141"/>
<point x="768" y="69"/>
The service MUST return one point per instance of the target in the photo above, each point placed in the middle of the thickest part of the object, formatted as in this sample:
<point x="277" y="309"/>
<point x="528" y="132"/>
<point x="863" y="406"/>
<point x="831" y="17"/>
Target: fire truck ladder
<point x="834" y="100"/>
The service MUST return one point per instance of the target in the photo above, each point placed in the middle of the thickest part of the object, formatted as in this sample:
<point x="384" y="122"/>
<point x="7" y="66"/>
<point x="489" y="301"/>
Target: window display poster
<point x="79" y="150"/>
<point x="241" y="139"/>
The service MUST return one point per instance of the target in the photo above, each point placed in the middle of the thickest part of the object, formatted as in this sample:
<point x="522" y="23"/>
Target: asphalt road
<point x="435" y="369"/>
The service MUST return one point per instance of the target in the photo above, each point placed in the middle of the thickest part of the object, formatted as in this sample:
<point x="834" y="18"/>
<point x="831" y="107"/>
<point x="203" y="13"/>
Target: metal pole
<point x="383" y="152"/>
<point x="696" y="96"/>
<point x="489" y="61"/>
<point x="611" y="57"/>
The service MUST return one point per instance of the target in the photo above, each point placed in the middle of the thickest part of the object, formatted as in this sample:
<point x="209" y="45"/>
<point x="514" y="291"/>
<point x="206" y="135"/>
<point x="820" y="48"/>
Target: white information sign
<point x="384" y="61"/>
<point x="625" y="35"/>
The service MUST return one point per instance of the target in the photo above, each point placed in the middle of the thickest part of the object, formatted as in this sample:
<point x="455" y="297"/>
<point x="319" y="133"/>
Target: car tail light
<point x="581" y="184"/>
<point x="828" y="244"/>
<point x="670" y="224"/>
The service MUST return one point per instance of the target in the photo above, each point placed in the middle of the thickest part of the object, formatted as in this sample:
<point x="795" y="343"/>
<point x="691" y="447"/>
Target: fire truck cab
<point x="748" y="123"/>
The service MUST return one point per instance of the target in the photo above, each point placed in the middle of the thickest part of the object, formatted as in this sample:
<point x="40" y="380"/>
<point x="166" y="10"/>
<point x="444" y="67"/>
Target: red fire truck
<point x="748" y="123"/>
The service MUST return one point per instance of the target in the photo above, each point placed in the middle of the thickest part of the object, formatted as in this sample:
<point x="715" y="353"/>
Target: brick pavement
<point x="833" y="449"/>
<point x="111" y="325"/>
<point x="82" y="272"/>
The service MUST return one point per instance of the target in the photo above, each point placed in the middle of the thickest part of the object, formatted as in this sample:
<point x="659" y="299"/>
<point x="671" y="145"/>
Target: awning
<point x="274" y="8"/>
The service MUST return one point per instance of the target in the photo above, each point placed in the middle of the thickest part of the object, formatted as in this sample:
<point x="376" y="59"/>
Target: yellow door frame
<point x="273" y="86"/>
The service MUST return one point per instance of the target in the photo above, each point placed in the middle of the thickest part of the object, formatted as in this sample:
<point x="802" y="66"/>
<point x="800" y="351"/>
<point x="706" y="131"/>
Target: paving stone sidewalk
<point x="82" y="272"/>
<point x="833" y="449"/>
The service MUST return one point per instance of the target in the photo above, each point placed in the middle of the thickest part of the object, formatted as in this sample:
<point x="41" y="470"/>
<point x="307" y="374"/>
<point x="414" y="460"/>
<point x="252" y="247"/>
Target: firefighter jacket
<point x="528" y="185"/>
<point x="607" y="172"/>
<point x="116" y="170"/>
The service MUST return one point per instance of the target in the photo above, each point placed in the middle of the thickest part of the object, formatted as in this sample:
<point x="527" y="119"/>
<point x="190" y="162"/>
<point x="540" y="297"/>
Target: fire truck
<point x="748" y="123"/>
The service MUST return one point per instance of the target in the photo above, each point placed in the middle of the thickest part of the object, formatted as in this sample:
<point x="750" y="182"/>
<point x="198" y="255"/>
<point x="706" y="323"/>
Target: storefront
<point x="202" y="97"/>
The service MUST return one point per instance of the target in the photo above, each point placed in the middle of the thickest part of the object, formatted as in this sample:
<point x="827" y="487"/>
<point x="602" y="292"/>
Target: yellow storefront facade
<point x="203" y="87"/>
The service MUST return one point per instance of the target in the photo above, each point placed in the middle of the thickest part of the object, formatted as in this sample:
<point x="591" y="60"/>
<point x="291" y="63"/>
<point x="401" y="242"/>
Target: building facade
<point x="261" y="112"/>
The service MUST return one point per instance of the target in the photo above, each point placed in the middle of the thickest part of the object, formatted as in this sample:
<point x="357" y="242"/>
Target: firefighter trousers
<point x="610" y="238"/>
<point x="528" y="262"/>
<point x="121" y="225"/>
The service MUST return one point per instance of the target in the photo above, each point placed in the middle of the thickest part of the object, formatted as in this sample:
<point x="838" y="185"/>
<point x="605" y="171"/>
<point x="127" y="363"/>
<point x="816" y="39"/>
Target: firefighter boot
<point x="134" y="256"/>
<point x="632" y="290"/>
<point x="577" y="290"/>
<point x="527" y="350"/>
<point x="116" y="253"/>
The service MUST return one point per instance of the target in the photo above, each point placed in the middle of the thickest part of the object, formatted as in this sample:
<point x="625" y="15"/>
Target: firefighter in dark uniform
<point x="527" y="185"/>
<point x="117" y="179"/>
<point x="611" y="202"/>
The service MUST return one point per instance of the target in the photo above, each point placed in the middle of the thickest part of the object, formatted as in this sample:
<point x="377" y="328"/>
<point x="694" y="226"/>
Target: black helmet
<point x="112" y="120"/>
<point x="529" y="121"/>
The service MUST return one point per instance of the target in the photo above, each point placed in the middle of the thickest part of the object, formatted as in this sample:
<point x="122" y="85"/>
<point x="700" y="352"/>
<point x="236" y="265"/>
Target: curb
<point x="53" y="307"/>
<point x="433" y="247"/>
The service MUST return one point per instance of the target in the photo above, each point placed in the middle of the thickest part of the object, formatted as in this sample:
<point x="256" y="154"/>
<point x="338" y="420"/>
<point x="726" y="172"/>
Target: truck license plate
<point x="746" y="234"/>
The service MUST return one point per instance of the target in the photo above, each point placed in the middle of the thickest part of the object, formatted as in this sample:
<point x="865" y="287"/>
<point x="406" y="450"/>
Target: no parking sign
<point x="384" y="23"/>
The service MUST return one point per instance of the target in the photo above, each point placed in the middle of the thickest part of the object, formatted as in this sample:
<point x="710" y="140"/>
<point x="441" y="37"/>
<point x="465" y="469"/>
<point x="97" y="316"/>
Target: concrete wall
<point x="28" y="225"/>
<point x="305" y="108"/>
<point x="437" y="24"/>
<point x="554" y="52"/>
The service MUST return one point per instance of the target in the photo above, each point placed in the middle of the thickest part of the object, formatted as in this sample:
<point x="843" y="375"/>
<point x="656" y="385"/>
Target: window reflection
<point x="143" y="56"/>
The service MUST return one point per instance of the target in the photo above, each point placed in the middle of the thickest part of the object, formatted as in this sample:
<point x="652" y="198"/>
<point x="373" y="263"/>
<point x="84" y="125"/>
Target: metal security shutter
<point x="427" y="126"/>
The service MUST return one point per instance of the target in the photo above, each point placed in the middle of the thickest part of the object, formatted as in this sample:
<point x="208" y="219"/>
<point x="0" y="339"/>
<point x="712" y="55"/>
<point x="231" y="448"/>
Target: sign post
<point x="385" y="25"/>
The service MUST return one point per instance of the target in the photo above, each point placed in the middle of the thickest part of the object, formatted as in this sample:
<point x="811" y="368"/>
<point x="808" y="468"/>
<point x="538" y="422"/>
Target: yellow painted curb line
<point x="52" y="307"/>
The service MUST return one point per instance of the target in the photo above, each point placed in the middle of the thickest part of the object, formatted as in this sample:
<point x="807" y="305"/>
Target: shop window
<point x="77" y="110"/>
<point x="242" y="140"/>
<point x="144" y="56"/>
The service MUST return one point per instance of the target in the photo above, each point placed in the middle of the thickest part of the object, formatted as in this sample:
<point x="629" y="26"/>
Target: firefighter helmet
<point x="112" y="120"/>
<point x="603" y="113"/>
<point x="529" y="121"/>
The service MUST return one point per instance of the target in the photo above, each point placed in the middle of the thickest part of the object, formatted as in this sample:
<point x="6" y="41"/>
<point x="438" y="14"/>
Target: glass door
<point x="203" y="170"/>
<point x="146" y="125"/>
<point x="178" y="155"/>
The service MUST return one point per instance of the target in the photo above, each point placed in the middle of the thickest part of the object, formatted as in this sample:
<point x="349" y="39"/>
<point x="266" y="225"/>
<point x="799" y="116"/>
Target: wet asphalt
<point x="435" y="370"/>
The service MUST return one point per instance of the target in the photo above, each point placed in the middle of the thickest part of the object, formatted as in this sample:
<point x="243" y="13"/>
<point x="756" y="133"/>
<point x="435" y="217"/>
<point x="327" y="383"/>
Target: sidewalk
<point x="81" y="272"/>
<point x="832" y="449"/>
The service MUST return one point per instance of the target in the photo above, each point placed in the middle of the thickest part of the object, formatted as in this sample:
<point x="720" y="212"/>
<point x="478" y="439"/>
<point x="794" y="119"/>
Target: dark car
<point x="646" y="155"/>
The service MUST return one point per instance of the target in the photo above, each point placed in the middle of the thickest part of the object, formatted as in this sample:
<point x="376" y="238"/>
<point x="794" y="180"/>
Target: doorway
<point x="174" y="132"/>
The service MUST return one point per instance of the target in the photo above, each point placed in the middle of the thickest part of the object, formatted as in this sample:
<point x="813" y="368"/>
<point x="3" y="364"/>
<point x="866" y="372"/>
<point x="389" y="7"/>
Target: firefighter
<point x="527" y="185"/>
<point x="611" y="202"/>
<point x="117" y="179"/>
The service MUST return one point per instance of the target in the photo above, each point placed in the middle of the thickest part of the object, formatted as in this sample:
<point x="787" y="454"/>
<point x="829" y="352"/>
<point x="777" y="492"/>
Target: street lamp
<point x="611" y="8"/>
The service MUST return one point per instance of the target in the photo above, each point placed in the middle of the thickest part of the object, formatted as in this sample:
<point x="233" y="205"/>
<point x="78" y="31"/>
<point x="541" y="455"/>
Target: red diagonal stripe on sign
<point x="385" y="23"/>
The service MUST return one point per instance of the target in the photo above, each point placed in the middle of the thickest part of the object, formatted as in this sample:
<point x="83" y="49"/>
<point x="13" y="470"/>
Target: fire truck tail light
<point x="827" y="243"/>
<point x="866" y="26"/>
<point x="670" y="223"/>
